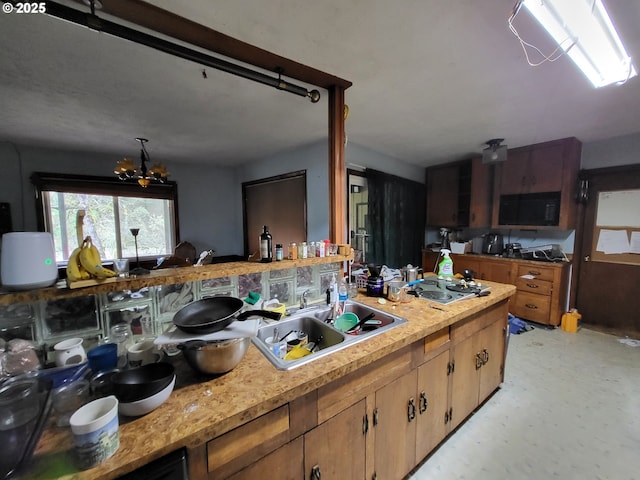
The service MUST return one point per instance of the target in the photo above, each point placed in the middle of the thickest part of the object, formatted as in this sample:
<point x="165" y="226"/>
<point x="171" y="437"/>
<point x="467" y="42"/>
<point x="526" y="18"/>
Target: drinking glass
<point x="121" y="267"/>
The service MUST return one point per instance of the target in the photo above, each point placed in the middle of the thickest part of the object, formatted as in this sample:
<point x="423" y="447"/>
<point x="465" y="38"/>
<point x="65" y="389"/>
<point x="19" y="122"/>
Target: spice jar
<point x="278" y="252"/>
<point x="293" y="251"/>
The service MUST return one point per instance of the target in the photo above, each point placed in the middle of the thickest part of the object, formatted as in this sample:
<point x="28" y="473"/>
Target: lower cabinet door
<point x="395" y="419"/>
<point x="492" y="355"/>
<point x="335" y="449"/>
<point x="465" y="381"/>
<point x="286" y="462"/>
<point x="433" y="403"/>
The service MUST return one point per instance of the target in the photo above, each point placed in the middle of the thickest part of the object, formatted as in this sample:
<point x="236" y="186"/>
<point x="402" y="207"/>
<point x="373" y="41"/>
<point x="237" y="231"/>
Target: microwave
<point x="536" y="209"/>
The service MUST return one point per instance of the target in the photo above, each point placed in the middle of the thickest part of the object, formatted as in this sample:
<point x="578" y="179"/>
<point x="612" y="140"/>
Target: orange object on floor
<point x="570" y="320"/>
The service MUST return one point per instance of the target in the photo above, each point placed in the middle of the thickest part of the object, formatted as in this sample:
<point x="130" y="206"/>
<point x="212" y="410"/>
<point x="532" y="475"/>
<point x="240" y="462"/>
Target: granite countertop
<point x="201" y="408"/>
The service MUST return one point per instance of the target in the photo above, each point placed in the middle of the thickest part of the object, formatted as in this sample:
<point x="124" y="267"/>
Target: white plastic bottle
<point x="343" y="295"/>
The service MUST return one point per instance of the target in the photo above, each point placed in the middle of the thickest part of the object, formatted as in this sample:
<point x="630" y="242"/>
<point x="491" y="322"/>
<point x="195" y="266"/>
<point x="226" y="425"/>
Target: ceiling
<point x="432" y="81"/>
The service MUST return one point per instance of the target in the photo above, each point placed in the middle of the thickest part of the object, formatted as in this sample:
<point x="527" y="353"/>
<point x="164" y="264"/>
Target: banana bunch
<point x="85" y="263"/>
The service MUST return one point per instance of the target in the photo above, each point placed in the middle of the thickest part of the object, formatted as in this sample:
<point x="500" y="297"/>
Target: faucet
<point x="303" y="299"/>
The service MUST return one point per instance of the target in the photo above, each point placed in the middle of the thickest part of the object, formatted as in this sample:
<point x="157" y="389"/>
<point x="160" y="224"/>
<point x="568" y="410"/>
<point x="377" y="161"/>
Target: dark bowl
<point x="142" y="382"/>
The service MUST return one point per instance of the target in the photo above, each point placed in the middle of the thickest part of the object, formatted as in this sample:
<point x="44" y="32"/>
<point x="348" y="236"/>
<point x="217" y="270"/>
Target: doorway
<point x="608" y="272"/>
<point x="358" y="215"/>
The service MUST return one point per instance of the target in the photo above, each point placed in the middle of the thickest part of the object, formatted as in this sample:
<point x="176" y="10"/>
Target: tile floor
<point x="569" y="408"/>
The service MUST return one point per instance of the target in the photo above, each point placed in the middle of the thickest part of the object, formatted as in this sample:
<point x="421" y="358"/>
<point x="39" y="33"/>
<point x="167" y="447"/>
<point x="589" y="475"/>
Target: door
<point x="607" y="291"/>
<point x="336" y="448"/>
<point x="278" y="202"/>
<point x="433" y="389"/>
<point x="395" y="424"/>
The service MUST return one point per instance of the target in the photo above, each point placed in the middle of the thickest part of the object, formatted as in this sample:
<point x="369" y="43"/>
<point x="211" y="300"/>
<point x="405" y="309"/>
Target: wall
<point x="208" y="218"/>
<point x="623" y="150"/>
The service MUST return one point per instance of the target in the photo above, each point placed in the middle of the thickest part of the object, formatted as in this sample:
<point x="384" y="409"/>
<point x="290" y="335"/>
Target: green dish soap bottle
<point x="445" y="267"/>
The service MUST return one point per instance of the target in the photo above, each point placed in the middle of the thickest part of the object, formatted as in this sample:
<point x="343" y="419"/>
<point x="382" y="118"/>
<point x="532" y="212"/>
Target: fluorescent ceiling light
<point x="585" y="32"/>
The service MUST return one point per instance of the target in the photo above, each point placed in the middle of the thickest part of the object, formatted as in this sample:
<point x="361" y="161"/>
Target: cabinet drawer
<point x="541" y="273"/>
<point x="532" y="306"/>
<point x="541" y="287"/>
<point x="248" y="443"/>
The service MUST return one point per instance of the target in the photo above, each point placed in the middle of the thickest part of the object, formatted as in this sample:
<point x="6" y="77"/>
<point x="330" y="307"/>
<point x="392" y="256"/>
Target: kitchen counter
<point x="202" y="408"/>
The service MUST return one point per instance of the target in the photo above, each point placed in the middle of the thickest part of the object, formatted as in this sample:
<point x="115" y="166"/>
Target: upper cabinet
<point x="459" y="194"/>
<point x="532" y="174"/>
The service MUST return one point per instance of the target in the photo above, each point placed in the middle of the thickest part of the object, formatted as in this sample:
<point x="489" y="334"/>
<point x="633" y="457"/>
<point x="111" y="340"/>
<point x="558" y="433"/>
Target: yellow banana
<point x="90" y="259"/>
<point x="75" y="271"/>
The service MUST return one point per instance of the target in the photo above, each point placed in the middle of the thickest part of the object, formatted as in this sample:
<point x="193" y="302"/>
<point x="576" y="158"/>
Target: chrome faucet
<point x="303" y="299"/>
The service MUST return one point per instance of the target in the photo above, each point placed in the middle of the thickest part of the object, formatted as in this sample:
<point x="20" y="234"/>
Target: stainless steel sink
<point x="316" y="322"/>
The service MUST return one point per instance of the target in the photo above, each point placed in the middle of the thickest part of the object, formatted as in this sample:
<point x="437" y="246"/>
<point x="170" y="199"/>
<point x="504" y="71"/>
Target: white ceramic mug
<point x="69" y="352"/>
<point x="142" y="353"/>
<point x="95" y="431"/>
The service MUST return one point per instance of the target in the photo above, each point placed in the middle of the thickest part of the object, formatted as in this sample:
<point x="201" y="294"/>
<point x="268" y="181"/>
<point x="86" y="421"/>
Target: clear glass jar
<point x="122" y="336"/>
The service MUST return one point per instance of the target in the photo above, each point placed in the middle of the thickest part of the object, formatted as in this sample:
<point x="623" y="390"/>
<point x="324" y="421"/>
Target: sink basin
<point x="316" y="323"/>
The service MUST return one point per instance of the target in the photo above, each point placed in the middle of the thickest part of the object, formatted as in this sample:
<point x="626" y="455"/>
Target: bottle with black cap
<point x="266" y="246"/>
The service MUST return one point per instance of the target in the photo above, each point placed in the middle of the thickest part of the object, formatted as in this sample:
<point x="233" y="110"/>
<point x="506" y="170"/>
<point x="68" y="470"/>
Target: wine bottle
<point x="266" y="246"/>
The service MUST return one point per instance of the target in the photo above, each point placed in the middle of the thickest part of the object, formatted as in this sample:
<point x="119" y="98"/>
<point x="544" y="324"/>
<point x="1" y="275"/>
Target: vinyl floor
<point x="569" y="408"/>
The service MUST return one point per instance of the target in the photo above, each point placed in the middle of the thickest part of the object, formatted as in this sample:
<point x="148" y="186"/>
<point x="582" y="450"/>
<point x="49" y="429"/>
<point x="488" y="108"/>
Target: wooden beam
<point x="168" y="23"/>
<point x="337" y="171"/>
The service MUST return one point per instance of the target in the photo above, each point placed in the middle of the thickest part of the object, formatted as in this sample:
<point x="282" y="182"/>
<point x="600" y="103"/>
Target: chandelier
<point x="127" y="170"/>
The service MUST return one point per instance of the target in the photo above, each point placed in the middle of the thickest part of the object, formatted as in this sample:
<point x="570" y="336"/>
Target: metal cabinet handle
<point x="531" y="272"/>
<point x="532" y="285"/>
<point x="315" y="473"/>
<point x="365" y="424"/>
<point x="375" y="417"/>
<point x="531" y="306"/>
<point x="478" y="361"/>
<point x="485" y="356"/>
<point x="411" y="409"/>
<point x="424" y="403"/>
<point x="446" y="417"/>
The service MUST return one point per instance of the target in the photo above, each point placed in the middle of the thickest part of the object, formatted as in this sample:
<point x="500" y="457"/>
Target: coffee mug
<point x="69" y="352"/>
<point x="142" y="353"/>
<point x="95" y="431"/>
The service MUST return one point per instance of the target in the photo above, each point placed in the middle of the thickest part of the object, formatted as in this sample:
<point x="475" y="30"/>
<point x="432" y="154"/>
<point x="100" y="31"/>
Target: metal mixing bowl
<point x="214" y="357"/>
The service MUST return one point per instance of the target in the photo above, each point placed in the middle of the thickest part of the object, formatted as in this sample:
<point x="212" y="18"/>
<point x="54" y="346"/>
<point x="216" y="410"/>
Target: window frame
<point x="97" y="185"/>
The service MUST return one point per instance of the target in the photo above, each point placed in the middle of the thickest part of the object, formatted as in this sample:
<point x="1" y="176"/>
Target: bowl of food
<point x="142" y="382"/>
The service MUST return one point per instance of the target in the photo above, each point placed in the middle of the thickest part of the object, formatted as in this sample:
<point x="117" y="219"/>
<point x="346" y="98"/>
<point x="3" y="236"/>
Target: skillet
<point x="215" y="313"/>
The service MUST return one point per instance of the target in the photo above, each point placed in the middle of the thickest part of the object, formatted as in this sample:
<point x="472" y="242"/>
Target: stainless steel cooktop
<point x="444" y="292"/>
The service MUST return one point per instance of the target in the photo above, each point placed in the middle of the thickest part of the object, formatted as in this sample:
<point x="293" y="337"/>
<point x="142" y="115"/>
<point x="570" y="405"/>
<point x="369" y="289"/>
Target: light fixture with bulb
<point x="494" y="152"/>
<point x="127" y="170"/>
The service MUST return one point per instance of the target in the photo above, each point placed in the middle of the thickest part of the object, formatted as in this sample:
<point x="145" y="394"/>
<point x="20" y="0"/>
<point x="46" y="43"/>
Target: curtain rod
<point x="93" y="22"/>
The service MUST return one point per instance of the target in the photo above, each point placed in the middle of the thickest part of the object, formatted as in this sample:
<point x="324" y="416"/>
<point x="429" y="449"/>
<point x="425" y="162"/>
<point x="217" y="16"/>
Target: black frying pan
<point x="215" y="313"/>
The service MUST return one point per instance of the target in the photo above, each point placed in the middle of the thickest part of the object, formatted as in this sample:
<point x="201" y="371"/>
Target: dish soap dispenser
<point x="445" y="267"/>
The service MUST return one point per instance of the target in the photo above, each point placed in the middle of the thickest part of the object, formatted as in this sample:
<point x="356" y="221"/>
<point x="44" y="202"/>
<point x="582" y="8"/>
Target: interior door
<point x="281" y="204"/>
<point x="607" y="284"/>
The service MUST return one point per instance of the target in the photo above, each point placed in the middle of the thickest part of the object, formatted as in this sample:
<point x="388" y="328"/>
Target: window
<point x="72" y="207"/>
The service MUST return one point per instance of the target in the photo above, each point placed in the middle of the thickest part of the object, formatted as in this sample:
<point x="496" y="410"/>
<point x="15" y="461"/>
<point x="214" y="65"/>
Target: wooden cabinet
<point x="542" y="288"/>
<point x="542" y="292"/>
<point x="286" y="462"/>
<point x="395" y="423"/>
<point x="433" y="404"/>
<point x="459" y="194"/>
<point x="379" y="421"/>
<point x="442" y="196"/>
<point x="540" y="168"/>
<point x="477" y="360"/>
<point x="235" y="450"/>
<point x="335" y="449"/>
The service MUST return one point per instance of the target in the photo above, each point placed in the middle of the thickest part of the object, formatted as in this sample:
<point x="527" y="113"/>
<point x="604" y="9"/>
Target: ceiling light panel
<point x="585" y="31"/>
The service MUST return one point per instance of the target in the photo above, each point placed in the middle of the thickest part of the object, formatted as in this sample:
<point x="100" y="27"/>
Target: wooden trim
<point x="337" y="172"/>
<point x="168" y="23"/>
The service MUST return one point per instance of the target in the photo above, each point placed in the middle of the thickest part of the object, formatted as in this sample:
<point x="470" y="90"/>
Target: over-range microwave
<point x="537" y="209"/>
